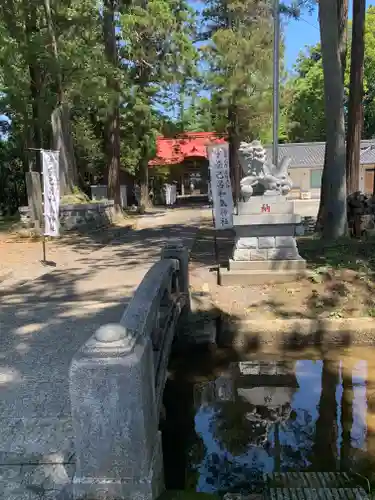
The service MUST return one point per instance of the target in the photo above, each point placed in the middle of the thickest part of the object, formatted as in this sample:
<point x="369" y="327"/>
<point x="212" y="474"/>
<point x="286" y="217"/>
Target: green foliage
<point x="369" y="74"/>
<point x="199" y="116"/>
<point x="155" y="53"/>
<point x="304" y="97"/>
<point x="239" y="54"/>
<point x="12" y="179"/>
<point x="294" y="8"/>
<point x="158" y="55"/>
<point x="163" y="81"/>
<point x="25" y="48"/>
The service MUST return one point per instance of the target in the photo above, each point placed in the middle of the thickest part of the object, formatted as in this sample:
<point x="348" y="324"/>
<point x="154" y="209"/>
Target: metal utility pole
<point x="276" y="81"/>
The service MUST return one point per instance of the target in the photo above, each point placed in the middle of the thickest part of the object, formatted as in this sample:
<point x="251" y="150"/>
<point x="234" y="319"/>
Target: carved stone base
<point x="268" y="265"/>
<point x="266" y="248"/>
<point x="250" y="277"/>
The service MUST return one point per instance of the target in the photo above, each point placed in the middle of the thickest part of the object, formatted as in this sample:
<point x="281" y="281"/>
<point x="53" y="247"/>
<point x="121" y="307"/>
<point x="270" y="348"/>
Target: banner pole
<point x="50" y="178"/>
<point x="44" y="253"/>
<point x="43" y="225"/>
<point x="44" y="261"/>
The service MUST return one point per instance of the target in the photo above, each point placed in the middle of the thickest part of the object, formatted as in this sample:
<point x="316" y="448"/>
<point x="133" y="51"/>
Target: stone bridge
<point x="117" y="380"/>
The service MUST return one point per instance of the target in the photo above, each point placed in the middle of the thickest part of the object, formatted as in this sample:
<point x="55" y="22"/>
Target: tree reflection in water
<point x="234" y="430"/>
<point x="347" y="400"/>
<point x="325" y="442"/>
<point x="315" y="437"/>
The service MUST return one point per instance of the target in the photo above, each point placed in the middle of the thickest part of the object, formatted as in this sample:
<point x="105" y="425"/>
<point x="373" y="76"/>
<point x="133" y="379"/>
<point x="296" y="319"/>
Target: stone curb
<point x="298" y="332"/>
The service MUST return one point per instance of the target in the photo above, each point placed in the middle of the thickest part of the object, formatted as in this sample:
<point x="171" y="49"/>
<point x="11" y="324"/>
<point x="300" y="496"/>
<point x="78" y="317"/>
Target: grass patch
<point x="340" y="282"/>
<point x="357" y="255"/>
<point x="76" y="198"/>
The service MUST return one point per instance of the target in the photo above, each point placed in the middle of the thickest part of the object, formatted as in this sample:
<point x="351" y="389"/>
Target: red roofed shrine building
<point x="185" y="159"/>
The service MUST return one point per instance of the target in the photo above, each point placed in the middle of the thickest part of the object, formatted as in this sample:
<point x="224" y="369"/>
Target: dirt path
<point x="20" y="258"/>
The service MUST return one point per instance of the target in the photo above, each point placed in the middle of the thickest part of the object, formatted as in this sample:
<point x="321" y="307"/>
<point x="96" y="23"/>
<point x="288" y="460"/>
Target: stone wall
<point x="86" y="216"/>
<point x="77" y="216"/>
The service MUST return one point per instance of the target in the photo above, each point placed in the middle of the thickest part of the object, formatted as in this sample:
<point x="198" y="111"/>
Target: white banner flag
<point x="51" y="192"/>
<point x="221" y="189"/>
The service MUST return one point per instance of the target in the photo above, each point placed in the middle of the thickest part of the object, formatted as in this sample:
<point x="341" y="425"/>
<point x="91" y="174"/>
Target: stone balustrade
<point x="116" y="384"/>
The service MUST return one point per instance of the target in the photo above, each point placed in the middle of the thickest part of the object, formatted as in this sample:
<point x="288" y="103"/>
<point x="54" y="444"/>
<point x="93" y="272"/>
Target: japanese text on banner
<point x="51" y="192"/>
<point x="221" y="188"/>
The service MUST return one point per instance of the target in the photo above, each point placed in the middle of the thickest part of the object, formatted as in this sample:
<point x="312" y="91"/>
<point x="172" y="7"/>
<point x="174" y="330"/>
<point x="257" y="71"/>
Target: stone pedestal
<point x="265" y="247"/>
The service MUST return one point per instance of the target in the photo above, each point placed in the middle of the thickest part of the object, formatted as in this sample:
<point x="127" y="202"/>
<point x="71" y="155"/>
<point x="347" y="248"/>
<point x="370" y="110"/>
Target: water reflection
<point x="305" y="415"/>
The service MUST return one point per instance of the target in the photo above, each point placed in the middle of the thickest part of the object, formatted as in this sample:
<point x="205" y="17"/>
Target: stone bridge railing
<point x="116" y="385"/>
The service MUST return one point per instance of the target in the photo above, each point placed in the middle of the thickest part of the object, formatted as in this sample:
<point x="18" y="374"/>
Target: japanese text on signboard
<point x="221" y="186"/>
<point x="51" y="192"/>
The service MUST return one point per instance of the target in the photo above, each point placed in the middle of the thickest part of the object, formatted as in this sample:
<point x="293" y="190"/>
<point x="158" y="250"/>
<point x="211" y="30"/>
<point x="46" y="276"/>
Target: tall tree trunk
<point x="54" y="51"/>
<point x="144" y="80"/>
<point x="334" y="187"/>
<point x="346" y="419"/>
<point x="234" y="144"/>
<point x="232" y="23"/>
<point x="342" y="12"/>
<point x="62" y="141"/>
<point x="143" y="176"/>
<point x="60" y="118"/>
<point x="31" y="28"/>
<point x="342" y="15"/>
<point x="112" y="129"/>
<point x="37" y="137"/>
<point x="182" y="106"/>
<point x="355" y="114"/>
<point x="324" y="449"/>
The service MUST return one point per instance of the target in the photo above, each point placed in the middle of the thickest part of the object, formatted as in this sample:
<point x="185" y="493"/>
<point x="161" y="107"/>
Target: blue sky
<point x="299" y="33"/>
<point x="304" y="32"/>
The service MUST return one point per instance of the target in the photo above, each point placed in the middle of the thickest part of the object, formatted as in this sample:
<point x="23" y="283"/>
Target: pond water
<point x="231" y="421"/>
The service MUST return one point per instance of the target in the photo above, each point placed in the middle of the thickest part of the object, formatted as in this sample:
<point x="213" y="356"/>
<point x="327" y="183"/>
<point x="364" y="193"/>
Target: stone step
<point x="316" y="494"/>
<point x="257" y="277"/>
<point x="308" y="480"/>
<point x="266" y="219"/>
<point x="267" y="265"/>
